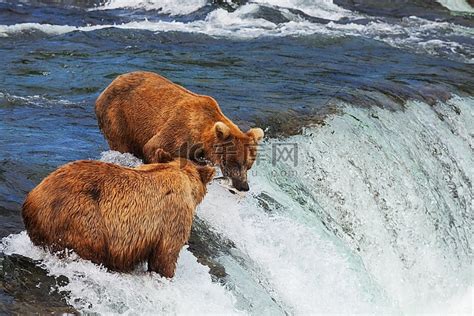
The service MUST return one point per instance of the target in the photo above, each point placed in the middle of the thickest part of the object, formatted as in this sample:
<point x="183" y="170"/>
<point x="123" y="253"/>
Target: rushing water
<point x="371" y="209"/>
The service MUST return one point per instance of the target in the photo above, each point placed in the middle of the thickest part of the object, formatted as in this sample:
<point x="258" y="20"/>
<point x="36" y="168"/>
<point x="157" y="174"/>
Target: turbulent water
<point x="361" y="200"/>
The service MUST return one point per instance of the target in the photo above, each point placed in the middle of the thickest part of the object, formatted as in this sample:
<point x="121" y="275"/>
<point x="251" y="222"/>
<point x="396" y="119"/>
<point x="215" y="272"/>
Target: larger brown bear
<point x="118" y="216"/>
<point x="140" y="112"/>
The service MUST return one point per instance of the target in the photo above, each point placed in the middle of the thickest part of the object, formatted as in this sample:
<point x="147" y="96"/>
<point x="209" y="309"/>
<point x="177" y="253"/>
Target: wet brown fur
<point x="140" y="112"/>
<point x="118" y="216"/>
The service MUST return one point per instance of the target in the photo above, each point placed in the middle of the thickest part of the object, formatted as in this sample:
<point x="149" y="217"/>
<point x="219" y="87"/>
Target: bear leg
<point x="164" y="258"/>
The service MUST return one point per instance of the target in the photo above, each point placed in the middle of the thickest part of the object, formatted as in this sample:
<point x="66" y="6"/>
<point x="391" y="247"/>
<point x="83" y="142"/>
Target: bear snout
<point x="240" y="185"/>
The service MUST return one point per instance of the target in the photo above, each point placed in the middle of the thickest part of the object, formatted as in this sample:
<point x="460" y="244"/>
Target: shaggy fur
<point x="140" y="112"/>
<point x="118" y="216"/>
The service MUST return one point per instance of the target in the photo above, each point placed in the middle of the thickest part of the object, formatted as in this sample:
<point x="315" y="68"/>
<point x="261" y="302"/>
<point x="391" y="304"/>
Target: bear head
<point x="201" y="174"/>
<point x="235" y="152"/>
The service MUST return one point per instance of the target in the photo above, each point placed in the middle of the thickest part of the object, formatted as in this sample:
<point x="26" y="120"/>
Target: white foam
<point x="170" y="7"/>
<point x="6" y="30"/>
<point x="457" y="5"/>
<point x="93" y="289"/>
<point x="325" y="9"/>
<point x="123" y="159"/>
<point x="412" y="33"/>
<point x="237" y="24"/>
<point x="243" y="23"/>
<point x="34" y="100"/>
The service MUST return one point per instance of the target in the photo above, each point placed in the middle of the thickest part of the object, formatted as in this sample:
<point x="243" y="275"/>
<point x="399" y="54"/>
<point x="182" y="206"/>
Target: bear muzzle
<point x="240" y="185"/>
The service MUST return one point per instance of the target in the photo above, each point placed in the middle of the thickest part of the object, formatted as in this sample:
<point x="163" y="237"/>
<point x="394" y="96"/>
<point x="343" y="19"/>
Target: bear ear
<point x="162" y="156"/>
<point x="256" y="133"/>
<point x="206" y="173"/>
<point x="222" y="131"/>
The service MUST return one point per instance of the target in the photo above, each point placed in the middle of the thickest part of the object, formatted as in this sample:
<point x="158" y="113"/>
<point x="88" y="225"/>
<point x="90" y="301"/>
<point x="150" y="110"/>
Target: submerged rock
<point x="26" y="288"/>
<point x="207" y="246"/>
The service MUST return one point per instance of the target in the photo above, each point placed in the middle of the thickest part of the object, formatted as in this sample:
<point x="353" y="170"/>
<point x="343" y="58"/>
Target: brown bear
<point x="140" y="112"/>
<point x="118" y="216"/>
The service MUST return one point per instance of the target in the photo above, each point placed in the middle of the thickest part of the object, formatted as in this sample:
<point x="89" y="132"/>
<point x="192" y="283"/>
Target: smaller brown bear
<point x="118" y="216"/>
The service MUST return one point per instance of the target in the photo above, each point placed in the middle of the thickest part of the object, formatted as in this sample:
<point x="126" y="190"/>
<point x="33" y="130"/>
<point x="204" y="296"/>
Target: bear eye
<point x="200" y="156"/>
